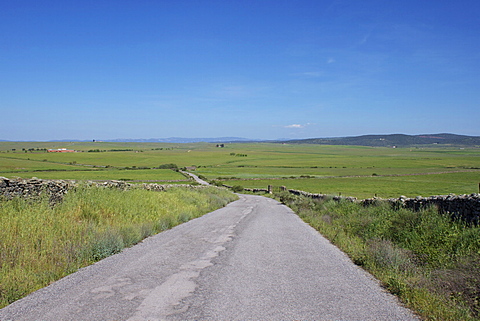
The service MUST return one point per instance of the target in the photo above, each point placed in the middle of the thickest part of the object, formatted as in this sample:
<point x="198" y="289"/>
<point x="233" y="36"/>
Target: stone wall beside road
<point x="56" y="189"/>
<point x="464" y="207"/>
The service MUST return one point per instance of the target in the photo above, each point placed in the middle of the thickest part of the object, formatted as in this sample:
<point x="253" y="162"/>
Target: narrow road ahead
<point x="252" y="260"/>
<point x="196" y="178"/>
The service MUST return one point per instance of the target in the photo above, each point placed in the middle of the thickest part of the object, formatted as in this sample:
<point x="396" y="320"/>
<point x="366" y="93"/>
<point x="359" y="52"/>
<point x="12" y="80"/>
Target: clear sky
<point x="254" y="69"/>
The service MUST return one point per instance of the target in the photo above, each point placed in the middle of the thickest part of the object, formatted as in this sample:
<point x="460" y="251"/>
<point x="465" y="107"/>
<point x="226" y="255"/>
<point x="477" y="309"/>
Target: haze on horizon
<point x="254" y="69"/>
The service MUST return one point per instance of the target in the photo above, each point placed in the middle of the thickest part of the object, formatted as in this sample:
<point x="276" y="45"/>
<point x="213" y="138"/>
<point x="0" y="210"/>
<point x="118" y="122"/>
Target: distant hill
<point x="176" y="140"/>
<point x="179" y="140"/>
<point x="399" y="140"/>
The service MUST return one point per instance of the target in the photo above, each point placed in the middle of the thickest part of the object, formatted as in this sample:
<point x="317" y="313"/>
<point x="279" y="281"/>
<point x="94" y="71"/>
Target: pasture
<point x="348" y="170"/>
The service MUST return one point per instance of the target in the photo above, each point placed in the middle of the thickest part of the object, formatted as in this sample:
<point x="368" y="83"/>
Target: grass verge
<point x="40" y="244"/>
<point x="429" y="261"/>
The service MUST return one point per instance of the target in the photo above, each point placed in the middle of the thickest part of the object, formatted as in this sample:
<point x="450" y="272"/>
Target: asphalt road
<point x="196" y="178"/>
<point x="252" y="260"/>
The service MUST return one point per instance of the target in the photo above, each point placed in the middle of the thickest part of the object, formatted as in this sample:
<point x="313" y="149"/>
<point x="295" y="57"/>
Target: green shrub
<point x="217" y="183"/>
<point x="237" y="188"/>
<point x="168" y="166"/>
<point x="105" y="244"/>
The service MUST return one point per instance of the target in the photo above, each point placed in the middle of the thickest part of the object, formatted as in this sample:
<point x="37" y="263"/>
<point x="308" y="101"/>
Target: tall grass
<point x="40" y="244"/>
<point x="431" y="262"/>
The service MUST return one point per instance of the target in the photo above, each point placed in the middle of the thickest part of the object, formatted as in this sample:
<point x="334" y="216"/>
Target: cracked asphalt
<point x="251" y="260"/>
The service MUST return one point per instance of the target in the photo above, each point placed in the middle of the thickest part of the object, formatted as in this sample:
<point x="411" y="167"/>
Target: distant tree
<point x="168" y="166"/>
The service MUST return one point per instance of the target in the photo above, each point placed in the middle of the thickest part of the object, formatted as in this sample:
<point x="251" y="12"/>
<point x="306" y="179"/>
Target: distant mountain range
<point x="399" y="140"/>
<point x="183" y="140"/>
<point x="177" y="140"/>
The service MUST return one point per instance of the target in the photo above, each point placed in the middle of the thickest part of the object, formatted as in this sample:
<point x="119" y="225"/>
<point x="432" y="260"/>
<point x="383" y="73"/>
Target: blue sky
<point x="255" y="69"/>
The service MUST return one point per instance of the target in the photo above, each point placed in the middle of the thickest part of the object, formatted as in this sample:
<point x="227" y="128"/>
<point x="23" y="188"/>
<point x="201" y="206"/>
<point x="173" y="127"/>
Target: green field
<point x="152" y="175"/>
<point x="357" y="171"/>
<point x="349" y="170"/>
<point x="380" y="186"/>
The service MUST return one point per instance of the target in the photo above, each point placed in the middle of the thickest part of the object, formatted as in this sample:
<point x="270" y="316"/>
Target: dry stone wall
<point x="464" y="207"/>
<point x="56" y="189"/>
<point x="34" y="188"/>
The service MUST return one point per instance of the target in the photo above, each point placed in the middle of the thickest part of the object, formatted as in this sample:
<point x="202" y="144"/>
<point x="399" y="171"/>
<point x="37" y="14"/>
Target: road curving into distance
<point x="196" y="178"/>
<point x="251" y="260"/>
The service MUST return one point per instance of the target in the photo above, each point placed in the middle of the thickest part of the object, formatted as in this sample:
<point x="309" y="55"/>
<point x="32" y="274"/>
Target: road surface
<point x="251" y="260"/>
<point x="196" y="178"/>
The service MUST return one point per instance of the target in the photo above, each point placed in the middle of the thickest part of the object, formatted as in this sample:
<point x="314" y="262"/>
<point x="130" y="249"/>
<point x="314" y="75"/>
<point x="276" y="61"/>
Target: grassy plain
<point x="380" y="186"/>
<point x="144" y="175"/>
<point x="349" y="170"/>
